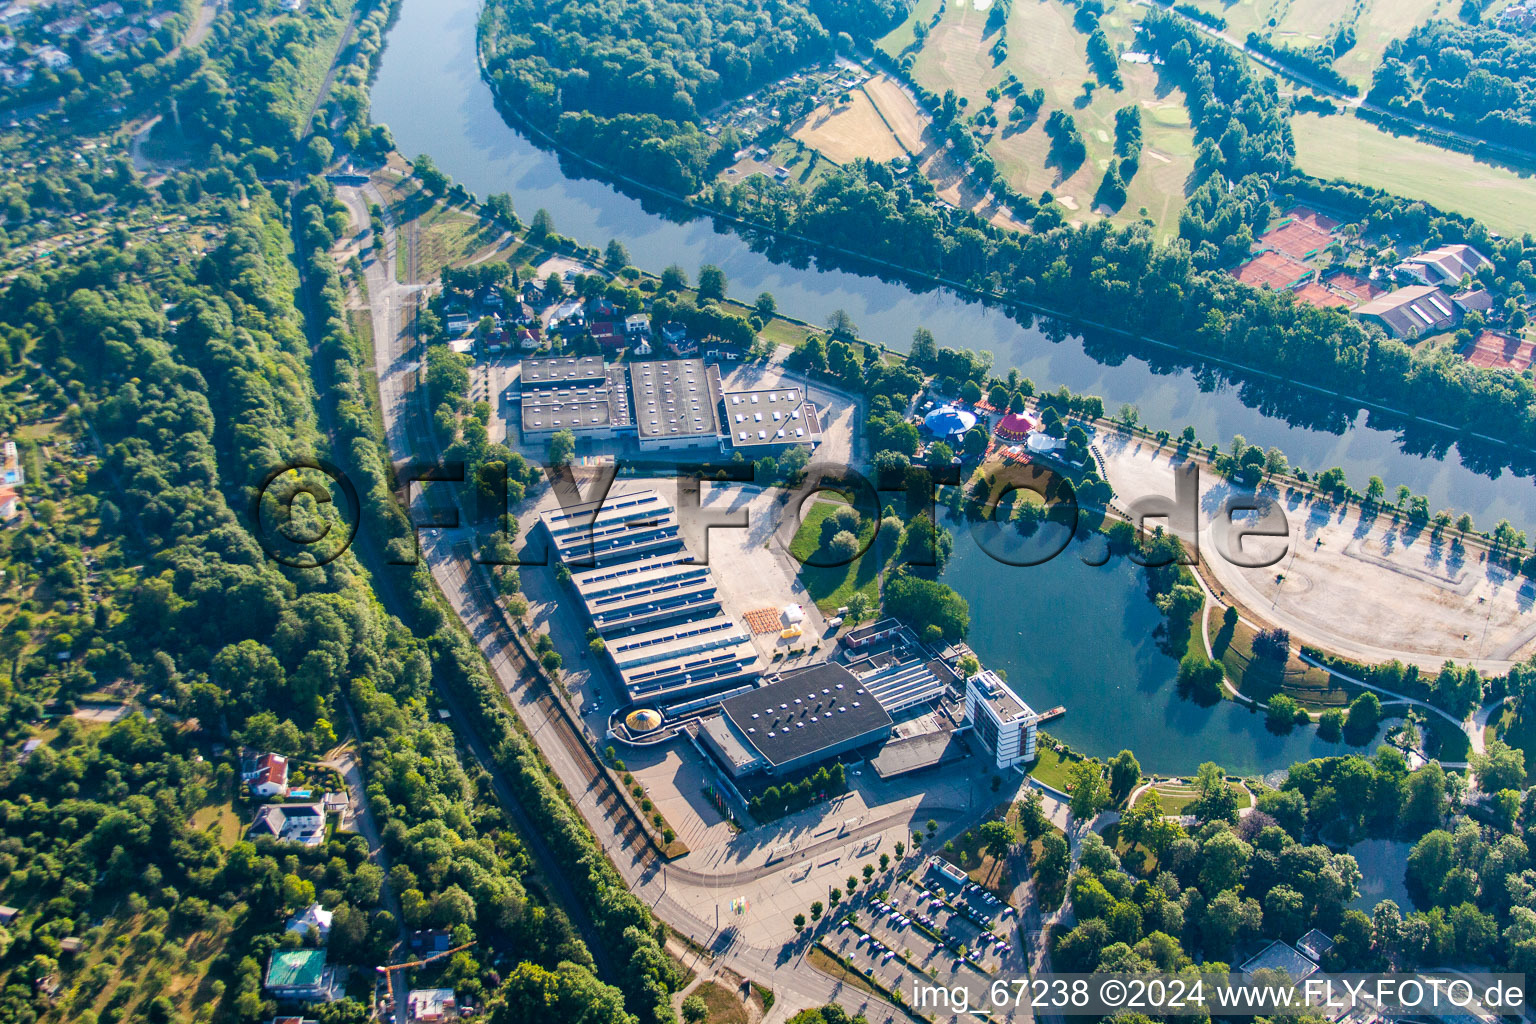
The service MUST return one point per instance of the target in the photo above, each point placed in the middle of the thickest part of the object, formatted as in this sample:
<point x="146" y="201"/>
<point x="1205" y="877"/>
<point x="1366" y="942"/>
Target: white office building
<point x="1006" y="726"/>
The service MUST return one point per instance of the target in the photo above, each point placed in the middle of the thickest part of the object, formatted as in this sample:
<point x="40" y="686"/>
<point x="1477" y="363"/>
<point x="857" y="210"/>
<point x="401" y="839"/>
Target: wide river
<point x="430" y="93"/>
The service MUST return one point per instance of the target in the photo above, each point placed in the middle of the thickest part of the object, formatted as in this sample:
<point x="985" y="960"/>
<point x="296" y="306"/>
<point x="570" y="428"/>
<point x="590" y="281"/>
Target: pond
<point x="1066" y="632"/>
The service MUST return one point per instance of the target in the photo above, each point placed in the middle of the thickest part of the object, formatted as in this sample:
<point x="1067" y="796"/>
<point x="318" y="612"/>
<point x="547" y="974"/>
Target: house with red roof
<point x="265" y="775"/>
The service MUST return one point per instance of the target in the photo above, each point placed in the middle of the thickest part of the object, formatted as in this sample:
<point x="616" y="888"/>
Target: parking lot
<point x="914" y="934"/>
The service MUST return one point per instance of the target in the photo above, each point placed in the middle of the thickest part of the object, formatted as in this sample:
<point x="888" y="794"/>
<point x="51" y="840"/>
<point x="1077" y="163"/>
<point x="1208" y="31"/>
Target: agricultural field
<point x="1046" y="51"/>
<point x="1345" y="147"/>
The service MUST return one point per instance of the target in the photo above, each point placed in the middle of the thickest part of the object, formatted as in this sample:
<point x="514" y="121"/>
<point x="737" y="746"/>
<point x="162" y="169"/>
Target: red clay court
<point x="1317" y="295"/>
<point x="1355" y="288"/>
<point x="1501" y="352"/>
<point x="1272" y="269"/>
<point x="1303" y="236"/>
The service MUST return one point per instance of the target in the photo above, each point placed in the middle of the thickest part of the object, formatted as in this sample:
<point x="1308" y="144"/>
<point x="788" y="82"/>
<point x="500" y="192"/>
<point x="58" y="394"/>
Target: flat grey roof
<point x="811" y="710"/>
<point x="861" y="633"/>
<point x="899" y="757"/>
<point x="770" y="416"/>
<point x="674" y="398"/>
<point x="1006" y="704"/>
<point x="561" y="371"/>
<point x="1279" y="956"/>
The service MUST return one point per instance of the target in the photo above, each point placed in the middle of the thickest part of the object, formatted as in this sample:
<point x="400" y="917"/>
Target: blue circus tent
<point x="947" y="421"/>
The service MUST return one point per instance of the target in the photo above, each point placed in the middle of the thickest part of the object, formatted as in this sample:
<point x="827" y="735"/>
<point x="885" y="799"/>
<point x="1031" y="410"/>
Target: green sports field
<point x="1342" y="146"/>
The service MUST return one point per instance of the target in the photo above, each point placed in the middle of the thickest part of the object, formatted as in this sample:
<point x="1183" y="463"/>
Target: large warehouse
<point x="665" y="403"/>
<point x="576" y="394"/>
<point x="797" y="721"/>
<point x="659" y="614"/>
<point x="760" y="421"/>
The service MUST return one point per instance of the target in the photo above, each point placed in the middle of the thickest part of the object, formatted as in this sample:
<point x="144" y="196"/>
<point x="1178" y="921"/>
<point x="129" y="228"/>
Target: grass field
<point x="1176" y="796"/>
<point x="725" y="1007"/>
<point x="1345" y="147"/>
<point x="843" y="131"/>
<point x="903" y="116"/>
<point x="830" y="586"/>
<point x="1259" y="680"/>
<point x="1045" y="50"/>
<point x="1050" y="767"/>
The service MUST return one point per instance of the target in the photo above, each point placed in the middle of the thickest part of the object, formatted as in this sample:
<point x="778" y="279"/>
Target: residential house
<point x="608" y="335"/>
<point x="569" y="313"/>
<point x="65" y="26"/>
<point x="301" y="975"/>
<point x="637" y="325"/>
<point x="291" y="823"/>
<point x="313" y="916"/>
<point x="54" y="58"/>
<point x="431" y="1004"/>
<point x="265" y="775"/>
<point x="108" y="11"/>
<point x="10" y="505"/>
<point x="430" y="940"/>
<point x="1280" y="956"/>
<point x="1444" y="265"/>
<point x="675" y="337"/>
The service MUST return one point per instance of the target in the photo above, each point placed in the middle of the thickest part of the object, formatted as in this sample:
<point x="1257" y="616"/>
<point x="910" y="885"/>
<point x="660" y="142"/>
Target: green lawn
<point x="830" y="586"/>
<point x="1303" y="23"/>
<point x="1341" y="146"/>
<point x="1312" y="687"/>
<point x="1176" y="797"/>
<point x="1050" y="767"/>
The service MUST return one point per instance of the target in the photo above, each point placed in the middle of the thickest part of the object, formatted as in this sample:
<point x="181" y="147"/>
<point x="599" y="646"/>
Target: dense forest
<point x="1477" y="79"/>
<point x="156" y="376"/>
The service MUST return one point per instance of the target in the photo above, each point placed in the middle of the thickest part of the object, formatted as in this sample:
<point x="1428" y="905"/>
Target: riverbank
<point x="430" y="93"/>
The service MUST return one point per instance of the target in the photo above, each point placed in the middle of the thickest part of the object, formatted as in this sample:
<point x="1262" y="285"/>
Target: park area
<point x="829" y="584"/>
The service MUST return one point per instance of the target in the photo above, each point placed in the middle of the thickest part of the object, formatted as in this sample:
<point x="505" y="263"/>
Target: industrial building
<point x="617" y="528"/>
<point x="578" y="394"/>
<point x="1007" y="727"/>
<point x="795" y="722"/>
<point x="675" y="403"/>
<point x="767" y="419"/>
<point x="896" y="668"/>
<point x="665" y="403"/>
<point x="659" y="614"/>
